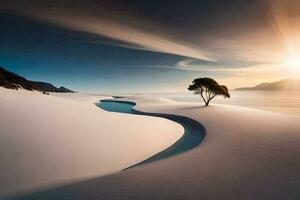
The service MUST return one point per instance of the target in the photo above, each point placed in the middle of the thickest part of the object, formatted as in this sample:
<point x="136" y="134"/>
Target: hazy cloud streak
<point x="99" y="21"/>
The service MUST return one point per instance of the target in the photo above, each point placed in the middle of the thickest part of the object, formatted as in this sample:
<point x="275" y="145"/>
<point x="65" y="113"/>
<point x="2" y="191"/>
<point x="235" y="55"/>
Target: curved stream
<point x="194" y="132"/>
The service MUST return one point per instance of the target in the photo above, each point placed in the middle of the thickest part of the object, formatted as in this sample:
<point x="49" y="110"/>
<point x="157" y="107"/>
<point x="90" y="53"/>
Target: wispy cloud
<point x="86" y="18"/>
<point x="220" y="66"/>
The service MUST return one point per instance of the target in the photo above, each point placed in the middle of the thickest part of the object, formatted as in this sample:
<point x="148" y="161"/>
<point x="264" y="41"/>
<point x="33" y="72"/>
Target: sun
<point x="293" y="63"/>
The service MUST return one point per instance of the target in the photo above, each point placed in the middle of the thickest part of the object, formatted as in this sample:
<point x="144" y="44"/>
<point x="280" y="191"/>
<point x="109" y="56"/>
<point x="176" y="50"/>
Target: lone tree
<point x="208" y="88"/>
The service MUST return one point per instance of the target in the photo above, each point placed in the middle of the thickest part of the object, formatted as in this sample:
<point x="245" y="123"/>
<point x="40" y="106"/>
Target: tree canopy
<point x="208" y="88"/>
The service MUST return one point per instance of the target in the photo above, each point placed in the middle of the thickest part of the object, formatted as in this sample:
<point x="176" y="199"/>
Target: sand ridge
<point x="52" y="139"/>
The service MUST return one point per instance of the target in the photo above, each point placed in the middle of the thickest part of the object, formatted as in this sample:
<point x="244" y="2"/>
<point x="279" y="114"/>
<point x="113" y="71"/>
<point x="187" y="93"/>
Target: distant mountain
<point x="286" y="84"/>
<point x="63" y="89"/>
<point x="42" y="86"/>
<point x="13" y="81"/>
<point x="48" y="87"/>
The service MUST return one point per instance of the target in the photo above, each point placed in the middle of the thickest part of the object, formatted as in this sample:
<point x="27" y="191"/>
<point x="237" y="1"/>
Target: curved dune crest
<point x="194" y="132"/>
<point x="47" y="140"/>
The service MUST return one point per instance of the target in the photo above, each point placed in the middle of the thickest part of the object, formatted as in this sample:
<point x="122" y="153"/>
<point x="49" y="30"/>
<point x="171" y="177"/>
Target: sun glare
<point x="293" y="63"/>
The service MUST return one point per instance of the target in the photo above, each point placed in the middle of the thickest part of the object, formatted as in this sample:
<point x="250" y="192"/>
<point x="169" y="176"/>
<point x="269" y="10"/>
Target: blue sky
<point x="82" y="61"/>
<point x="44" y="53"/>
<point x="149" y="46"/>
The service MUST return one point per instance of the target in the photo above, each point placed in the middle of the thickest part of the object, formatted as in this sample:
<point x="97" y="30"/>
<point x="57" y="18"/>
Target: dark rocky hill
<point x="13" y="81"/>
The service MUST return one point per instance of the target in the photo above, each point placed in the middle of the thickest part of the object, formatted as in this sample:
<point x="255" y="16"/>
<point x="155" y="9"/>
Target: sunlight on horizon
<point x="293" y="64"/>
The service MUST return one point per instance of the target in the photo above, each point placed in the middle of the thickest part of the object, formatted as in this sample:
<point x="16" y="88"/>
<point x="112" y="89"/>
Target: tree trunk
<point x="207" y="102"/>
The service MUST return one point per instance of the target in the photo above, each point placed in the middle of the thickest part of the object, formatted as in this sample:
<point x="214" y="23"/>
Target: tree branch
<point x="203" y="97"/>
<point x="211" y="99"/>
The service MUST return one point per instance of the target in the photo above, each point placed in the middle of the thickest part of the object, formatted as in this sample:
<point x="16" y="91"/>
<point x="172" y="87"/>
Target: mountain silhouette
<point x="13" y="81"/>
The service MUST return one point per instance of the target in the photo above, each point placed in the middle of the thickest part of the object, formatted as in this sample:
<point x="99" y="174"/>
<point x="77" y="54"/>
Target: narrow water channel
<point x="194" y="132"/>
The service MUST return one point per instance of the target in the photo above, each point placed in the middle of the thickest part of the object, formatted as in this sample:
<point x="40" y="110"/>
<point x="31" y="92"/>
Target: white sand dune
<point x="246" y="154"/>
<point x="47" y="140"/>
